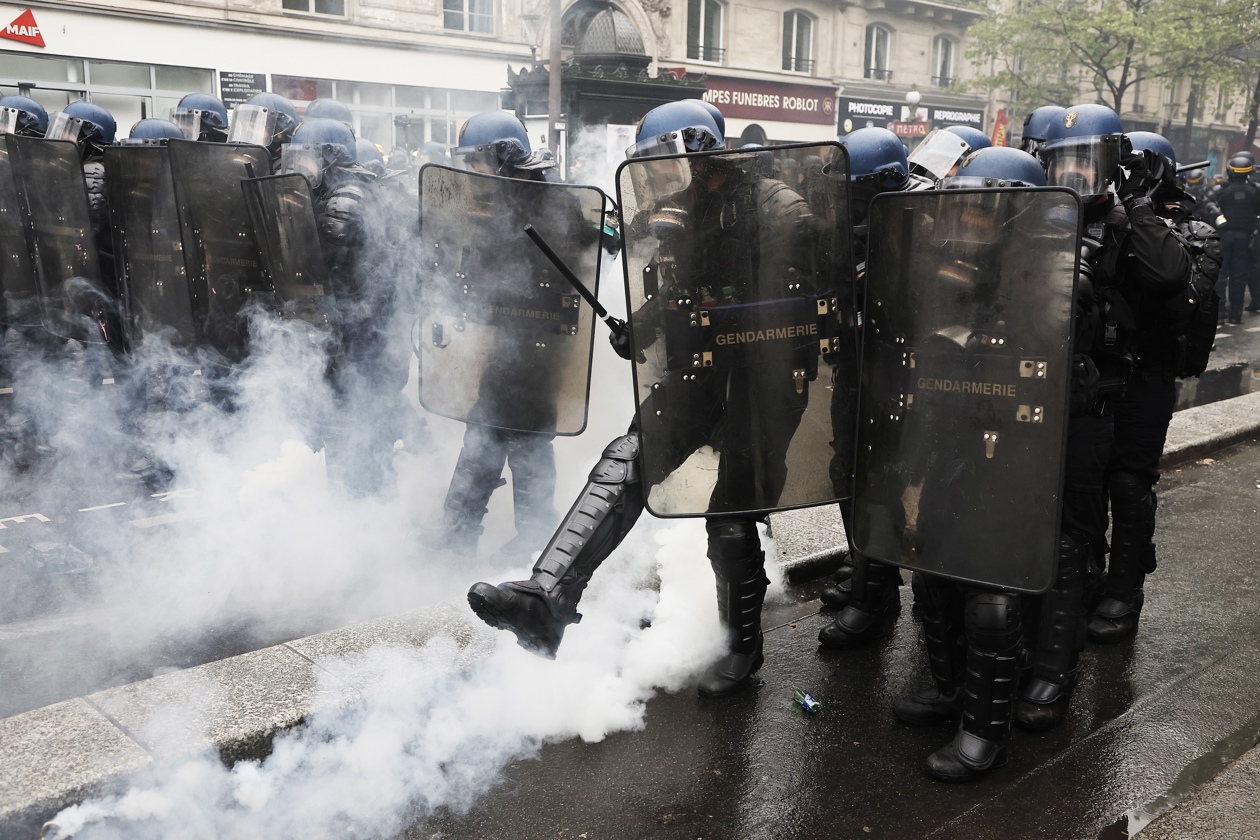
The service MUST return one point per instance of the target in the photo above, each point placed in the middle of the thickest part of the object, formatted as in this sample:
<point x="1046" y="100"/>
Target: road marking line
<point x="6" y="390"/>
<point x="1252" y="329"/>
<point x="167" y="518"/>
<point x="101" y="507"/>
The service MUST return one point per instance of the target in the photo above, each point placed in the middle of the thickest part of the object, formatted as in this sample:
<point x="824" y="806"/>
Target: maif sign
<point x="24" y="29"/>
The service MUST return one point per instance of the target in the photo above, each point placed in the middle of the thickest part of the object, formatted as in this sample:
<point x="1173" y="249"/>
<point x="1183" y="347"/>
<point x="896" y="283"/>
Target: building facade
<point x="781" y="70"/>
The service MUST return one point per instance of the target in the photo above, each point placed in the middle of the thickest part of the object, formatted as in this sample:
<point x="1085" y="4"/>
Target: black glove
<point x="619" y="338"/>
<point x="1140" y="182"/>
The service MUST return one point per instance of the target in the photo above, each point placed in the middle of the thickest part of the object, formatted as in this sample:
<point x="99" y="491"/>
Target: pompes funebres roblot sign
<point x="752" y="99"/>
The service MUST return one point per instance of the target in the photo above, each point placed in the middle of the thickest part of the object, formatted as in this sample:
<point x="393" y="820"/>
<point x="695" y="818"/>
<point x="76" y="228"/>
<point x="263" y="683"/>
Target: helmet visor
<point x="194" y="122"/>
<point x="307" y="161"/>
<point x="674" y="143"/>
<point x="66" y="127"/>
<point x="252" y="124"/>
<point x="10" y="121"/>
<point x="970" y="219"/>
<point x="495" y="158"/>
<point x="938" y="154"/>
<point x="1085" y="165"/>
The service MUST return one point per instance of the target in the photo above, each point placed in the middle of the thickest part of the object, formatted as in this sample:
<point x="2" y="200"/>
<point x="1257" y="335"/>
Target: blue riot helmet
<point x="267" y="119"/>
<point x="23" y="116"/>
<point x="88" y="126"/>
<point x="1036" y="124"/>
<point x="997" y="166"/>
<point x="878" y="158"/>
<point x="718" y="119"/>
<point x="974" y="137"/>
<point x="317" y="146"/>
<point x="674" y="128"/>
<point x="495" y="142"/>
<point x="370" y="157"/>
<point x="1195" y="177"/>
<point x="329" y="109"/>
<point x="943" y="149"/>
<point x="201" y="117"/>
<point x="153" y="131"/>
<point x="1149" y="141"/>
<point x="435" y="152"/>
<point x="877" y="164"/>
<point x="1082" y="150"/>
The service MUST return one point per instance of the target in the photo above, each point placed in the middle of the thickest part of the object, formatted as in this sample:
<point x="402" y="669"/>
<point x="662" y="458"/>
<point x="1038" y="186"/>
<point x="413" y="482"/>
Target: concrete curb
<point x="88" y="746"/>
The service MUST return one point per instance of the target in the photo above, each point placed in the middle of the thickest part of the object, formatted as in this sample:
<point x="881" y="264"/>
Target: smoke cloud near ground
<point x="439" y="724"/>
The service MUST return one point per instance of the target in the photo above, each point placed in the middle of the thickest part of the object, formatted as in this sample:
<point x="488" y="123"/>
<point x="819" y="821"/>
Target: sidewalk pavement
<point x="61" y="754"/>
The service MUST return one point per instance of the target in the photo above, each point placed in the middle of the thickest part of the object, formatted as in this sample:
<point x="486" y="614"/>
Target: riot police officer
<point x="367" y="377"/>
<point x="1125" y="253"/>
<point x="91" y="128"/>
<point x="1166" y="346"/>
<point x="326" y="108"/>
<point x="1239" y="203"/>
<point x="496" y="143"/>
<point x="202" y="117"/>
<point x="23" y="116"/>
<point x="973" y="635"/>
<point x="710" y="225"/>
<point x="267" y="120"/>
<point x="865" y="591"/>
<point x="153" y="131"/>
<point x="939" y="154"/>
<point x="1035" y="126"/>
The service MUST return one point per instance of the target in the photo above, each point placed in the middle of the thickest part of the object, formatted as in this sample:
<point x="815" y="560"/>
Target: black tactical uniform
<point x="1239" y="201"/>
<point x="1123" y="259"/>
<point x="1179" y="258"/>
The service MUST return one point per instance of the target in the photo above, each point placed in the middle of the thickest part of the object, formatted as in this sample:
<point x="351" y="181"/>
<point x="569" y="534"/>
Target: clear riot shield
<point x="52" y="194"/>
<point x="966" y="365"/>
<point x="19" y="289"/>
<point x="283" y="214"/>
<point x="505" y="339"/>
<point x="739" y="283"/>
<point x="148" y="247"/>
<point x="224" y="266"/>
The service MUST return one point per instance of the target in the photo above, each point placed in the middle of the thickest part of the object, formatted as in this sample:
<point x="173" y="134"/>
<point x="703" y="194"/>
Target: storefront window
<point x="184" y="79"/>
<point x="32" y="68"/>
<point x="117" y="74"/>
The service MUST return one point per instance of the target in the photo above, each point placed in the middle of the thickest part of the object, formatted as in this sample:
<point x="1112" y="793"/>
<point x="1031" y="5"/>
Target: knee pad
<point x="1130" y="493"/>
<point x="620" y="462"/>
<point x="993" y="620"/>
<point x="731" y="540"/>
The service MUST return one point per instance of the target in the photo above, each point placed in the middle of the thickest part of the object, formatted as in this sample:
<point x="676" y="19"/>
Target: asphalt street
<point x="1153" y="718"/>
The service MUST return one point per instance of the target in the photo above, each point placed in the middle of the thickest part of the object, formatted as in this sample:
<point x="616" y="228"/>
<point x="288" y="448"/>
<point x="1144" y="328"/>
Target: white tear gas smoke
<point x="439" y="724"/>
<point x="254" y="533"/>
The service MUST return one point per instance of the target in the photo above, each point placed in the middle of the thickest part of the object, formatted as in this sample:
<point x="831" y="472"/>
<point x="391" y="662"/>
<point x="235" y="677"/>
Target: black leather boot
<point x="874" y="601"/>
<point x="1059" y="641"/>
<point x="739" y="566"/>
<point x="539" y="609"/>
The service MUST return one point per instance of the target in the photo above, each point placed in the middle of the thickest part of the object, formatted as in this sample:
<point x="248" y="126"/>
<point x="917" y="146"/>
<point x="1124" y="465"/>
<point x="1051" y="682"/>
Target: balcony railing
<point x="798" y="65"/>
<point x="943" y="81"/>
<point x="700" y="52"/>
<point x="881" y="75"/>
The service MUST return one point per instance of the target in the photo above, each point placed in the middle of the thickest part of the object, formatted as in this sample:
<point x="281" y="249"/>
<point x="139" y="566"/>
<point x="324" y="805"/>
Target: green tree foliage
<point x="1051" y="50"/>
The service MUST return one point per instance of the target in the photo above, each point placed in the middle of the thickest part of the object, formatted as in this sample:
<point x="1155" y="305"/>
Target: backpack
<point x="1195" y="309"/>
